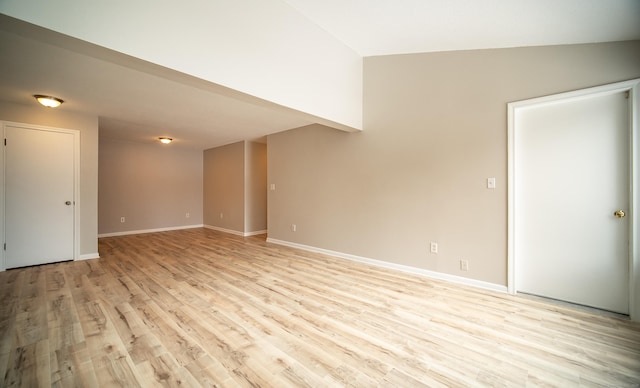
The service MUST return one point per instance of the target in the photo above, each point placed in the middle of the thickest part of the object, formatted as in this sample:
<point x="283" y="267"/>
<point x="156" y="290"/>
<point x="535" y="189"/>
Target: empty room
<point x="306" y="193"/>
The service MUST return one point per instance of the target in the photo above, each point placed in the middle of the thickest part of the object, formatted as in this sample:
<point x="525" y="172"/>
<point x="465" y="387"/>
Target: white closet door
<point x="39" y="196"/>
<point x="572" y="161"/>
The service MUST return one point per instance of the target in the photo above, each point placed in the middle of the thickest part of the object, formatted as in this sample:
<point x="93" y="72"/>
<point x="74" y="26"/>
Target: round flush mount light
<point x="48" y="101"/>
<point x="165" y="140"/>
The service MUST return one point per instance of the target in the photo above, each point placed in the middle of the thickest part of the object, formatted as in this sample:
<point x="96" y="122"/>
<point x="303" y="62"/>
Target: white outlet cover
<point x="434" y="247"/>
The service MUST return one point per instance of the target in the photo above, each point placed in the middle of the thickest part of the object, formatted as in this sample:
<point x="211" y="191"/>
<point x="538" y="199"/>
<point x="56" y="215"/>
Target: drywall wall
<point x="255" y="187"/>
<point x="263" y="48"/>
<point x="235" y="188"/>
<point x="224" y="187"/>
<point x="435" y="130"/>
<point x="153" y="186"/>
<point x="88" y="127"/>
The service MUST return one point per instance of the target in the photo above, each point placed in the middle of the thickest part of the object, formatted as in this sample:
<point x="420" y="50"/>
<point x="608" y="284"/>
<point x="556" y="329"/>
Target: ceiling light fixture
<point x="165" y="140"/>
<point x="48" y="101"/>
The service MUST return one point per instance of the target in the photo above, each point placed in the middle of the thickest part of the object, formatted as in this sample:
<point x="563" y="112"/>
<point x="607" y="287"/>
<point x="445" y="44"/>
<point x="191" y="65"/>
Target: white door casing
<point x="40" y="187"/>
<point x="557" y="179"/>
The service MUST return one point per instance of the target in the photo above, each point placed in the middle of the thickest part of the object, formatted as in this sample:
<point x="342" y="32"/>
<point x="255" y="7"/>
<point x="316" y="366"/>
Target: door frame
<point x="632" y="87"/>
<point x="76" y="184"/>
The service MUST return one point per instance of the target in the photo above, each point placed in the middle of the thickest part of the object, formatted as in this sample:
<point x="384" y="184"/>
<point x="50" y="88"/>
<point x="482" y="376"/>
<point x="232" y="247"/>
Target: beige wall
<point x="435" y="128"/>
<point x="224" y="187"/>
<point x="88" y="126"/>
<point x="153" y="186"/>
<point x="255" y="187"/>
<point x="235" y="179"/>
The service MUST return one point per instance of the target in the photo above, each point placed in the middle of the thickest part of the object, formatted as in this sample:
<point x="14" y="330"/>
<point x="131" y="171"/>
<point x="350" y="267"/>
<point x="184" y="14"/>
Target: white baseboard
<point x="257" y="232"/>
<point x="89" y="256"/>
<point x="149" y="230"/>
<point x="235" y="232"/>
<point x="219" y="229"/>
<point x="398" y="267"/>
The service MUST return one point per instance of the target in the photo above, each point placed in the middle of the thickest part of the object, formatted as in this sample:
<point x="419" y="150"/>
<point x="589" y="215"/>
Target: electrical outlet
<point x="294" y="227"/>
<point x="187" y="215"/>
<point x="434" y="247"/>
<point x="464" y="265"/>
<point x="221" y="215"/>
<point x="121" y="219"/>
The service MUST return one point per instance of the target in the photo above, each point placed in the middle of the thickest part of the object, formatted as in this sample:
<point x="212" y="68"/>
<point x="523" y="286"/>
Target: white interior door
<point x="39" y="196"/>
<point x="572" y="161"/>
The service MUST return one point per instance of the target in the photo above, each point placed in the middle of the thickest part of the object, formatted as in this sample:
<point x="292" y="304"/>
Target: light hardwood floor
<point x="202" y="308"/>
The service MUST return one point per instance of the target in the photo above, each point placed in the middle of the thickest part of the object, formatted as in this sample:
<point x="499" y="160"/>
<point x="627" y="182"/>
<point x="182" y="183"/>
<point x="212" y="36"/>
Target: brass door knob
<point x="619" y="213"/>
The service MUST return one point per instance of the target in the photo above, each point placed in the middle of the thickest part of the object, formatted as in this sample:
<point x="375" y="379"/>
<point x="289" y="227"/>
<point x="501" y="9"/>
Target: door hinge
<point x="5" y="142"/>
<point x="626" y="96"/>
<point x="5" y="246"/>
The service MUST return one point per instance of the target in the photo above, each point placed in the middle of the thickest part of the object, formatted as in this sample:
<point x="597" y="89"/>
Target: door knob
<point x="69" y="203"/>
<point x="619" y="213"/>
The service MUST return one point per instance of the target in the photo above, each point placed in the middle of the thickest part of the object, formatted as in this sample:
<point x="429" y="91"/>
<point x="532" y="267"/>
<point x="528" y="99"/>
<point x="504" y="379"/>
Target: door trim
<point x="76" y="184"/>
<point x="632" y="87"/>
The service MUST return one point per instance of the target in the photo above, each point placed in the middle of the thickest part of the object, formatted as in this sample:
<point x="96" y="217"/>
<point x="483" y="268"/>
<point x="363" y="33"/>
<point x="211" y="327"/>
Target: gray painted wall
<point x="224" y="187"/>
<point x="152" y="185"/>
<point x="255" y="187"/>
<point x="235" y="178"/>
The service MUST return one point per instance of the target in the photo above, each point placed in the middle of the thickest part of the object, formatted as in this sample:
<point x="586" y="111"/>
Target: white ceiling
<point x="134" y="100"/>
<point x="384" y="27"/>
<point x="139" y="101"/>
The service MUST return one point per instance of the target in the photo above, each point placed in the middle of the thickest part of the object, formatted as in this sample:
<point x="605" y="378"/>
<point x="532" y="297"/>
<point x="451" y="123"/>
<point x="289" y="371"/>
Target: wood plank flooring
<point x="201" y="308"/>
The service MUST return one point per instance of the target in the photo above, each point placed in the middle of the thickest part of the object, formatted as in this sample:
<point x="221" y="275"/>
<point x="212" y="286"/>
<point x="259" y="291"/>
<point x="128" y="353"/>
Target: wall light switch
<point x="491" y="183"/>
<point x="272" y="187"/>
